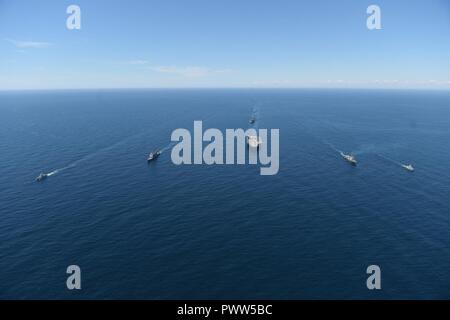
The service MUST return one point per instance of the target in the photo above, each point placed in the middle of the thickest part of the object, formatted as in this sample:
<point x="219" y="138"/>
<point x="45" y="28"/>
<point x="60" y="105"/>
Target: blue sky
<point x="224" y="43"/>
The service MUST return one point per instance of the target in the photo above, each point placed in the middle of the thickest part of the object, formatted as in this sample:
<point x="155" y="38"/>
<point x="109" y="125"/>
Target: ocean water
<point x="162" y="231"/>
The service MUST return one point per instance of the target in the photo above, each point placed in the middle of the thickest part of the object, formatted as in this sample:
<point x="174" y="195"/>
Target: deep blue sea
<point x="162" y="231"/>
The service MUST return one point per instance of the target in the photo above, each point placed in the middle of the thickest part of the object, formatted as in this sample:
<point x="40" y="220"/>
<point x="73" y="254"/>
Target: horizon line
<point x="228" y="88"/>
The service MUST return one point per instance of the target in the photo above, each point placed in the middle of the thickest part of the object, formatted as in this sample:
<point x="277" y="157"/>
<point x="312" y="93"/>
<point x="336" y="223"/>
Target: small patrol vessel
<point x="253" y="141"/>
<point x="153" y="155"/>
<point x="408" y="167"/>
<point x="349" y="158"/>
<point x="41" y="177"/>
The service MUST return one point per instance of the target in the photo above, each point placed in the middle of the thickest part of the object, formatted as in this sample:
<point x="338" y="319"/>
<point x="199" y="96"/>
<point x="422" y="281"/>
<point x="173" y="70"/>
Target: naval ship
<point x="41" y="177"/>
<point x="153" y="155"/>
<point x="349" y="158"/>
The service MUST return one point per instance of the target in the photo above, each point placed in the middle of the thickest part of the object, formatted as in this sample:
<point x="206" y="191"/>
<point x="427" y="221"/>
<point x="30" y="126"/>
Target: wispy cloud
<point x="183" y="71"/>
<point x="137" y="62"/>
<point x="341" y="83"/>
<point x="29" y="44"/>
<point x="223" y="71"/>
<point x="189" y="71"/>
